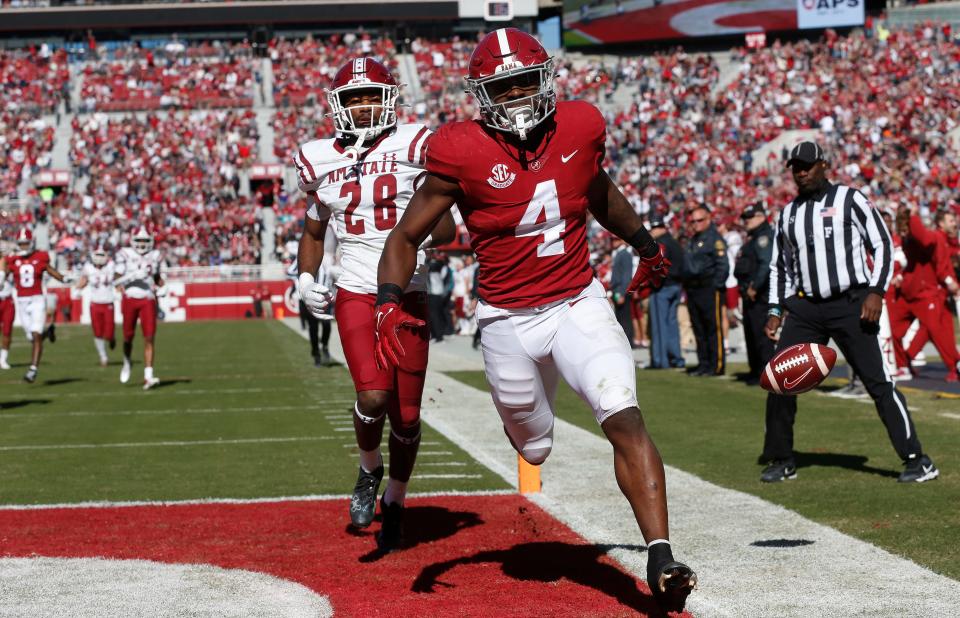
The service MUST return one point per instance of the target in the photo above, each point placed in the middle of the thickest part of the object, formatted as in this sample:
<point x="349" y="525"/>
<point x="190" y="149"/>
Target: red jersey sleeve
<point x="443" y="155"/>
<point x="44" y="259"/>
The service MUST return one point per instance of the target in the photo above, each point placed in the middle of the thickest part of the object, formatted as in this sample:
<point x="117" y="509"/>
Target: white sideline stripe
<point x="955" y="417"/>
<point x="441" y="463"/>
<point x="58" y="447"/>
<point x="448" y="476"/>
<point x="103" y="504"/>
<point x="434" y="453"/>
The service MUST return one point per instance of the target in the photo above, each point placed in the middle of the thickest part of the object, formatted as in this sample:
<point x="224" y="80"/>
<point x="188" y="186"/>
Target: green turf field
<point x="241" y="412"/>
<point x="847" y="469"/>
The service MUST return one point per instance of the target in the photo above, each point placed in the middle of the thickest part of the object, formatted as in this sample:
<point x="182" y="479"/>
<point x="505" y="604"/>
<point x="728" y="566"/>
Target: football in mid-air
<point x="798" y="369"/>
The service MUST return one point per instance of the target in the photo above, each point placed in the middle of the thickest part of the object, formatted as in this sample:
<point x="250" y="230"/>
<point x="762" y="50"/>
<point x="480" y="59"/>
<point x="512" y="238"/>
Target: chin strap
<point x="354" y="152"/>
<point x="521" y="119"/>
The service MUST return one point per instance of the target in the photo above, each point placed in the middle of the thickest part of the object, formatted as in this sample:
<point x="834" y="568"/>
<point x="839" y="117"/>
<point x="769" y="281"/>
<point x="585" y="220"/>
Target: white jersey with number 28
<point x="365" y="197"/>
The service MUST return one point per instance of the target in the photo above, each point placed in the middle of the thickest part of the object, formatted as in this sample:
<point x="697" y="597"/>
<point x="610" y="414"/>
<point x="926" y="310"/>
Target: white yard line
<point x="58" y="447"/>
<point x="161" y="412"/>
<point x="955" y="417"/>
<point x="713" y="529"/>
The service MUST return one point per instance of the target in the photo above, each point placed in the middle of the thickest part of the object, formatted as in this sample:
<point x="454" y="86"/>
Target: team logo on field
<point x="501" y="177"/>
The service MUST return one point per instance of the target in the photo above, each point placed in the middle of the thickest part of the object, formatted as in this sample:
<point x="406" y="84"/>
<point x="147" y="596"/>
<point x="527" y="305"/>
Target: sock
<point x="101" y="346"/>
<point x="395" y="493"/>
<point x="370" y="460"/>
<point x="658" y="551"/>
<point x="3" y="355"/>
<point x="33" y="367"/>
<point x="148" y="373"/>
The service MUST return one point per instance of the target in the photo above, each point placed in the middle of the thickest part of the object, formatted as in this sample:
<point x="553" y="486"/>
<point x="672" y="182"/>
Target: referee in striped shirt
<point x="823" y="287"/>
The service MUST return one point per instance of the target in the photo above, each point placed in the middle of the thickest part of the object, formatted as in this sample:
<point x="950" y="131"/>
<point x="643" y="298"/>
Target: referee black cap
<point x="805" y="152"/>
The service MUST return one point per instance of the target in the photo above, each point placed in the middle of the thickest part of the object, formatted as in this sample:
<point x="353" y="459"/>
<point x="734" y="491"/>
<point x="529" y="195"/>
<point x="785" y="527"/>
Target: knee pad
<point x="535" y="452"/>
<point x="613" y="399"/>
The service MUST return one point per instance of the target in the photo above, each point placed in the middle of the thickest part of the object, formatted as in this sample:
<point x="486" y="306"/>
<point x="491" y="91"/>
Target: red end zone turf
<point x="469" y="556"/>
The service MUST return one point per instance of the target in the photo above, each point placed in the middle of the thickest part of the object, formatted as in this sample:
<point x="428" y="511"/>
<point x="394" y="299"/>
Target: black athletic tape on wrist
<point x="389" y="293"/>
<point x="643" y="242"/>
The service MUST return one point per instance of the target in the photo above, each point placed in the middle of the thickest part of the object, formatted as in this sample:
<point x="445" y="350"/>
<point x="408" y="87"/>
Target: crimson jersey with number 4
<point x="365" y="198"/>
<point x="28" y="272"/>
<point x="527" y="219"/>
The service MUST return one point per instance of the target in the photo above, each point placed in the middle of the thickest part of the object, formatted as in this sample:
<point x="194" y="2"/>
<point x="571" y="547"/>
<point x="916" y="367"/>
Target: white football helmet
<point x="99" y="256"/>
<point x="142" y="241"/>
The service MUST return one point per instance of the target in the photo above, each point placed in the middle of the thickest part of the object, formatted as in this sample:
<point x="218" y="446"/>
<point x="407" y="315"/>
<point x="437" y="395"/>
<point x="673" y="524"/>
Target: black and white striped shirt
<point x="821" y="246"/>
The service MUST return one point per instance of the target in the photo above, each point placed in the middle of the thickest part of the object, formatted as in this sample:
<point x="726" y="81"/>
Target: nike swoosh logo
<point x="927" y="470"/>
<point x="565" y="158"/>
<point x="788" y="385"/>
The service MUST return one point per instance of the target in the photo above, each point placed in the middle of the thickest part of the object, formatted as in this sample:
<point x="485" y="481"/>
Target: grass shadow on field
<point x="857" y="463"/>
<point x="62" y="381"/>
<point x="426" y="524"/>
<point x="19" y="403"/>
<point x="165" y="383"/>
<point x="549" y="562"/>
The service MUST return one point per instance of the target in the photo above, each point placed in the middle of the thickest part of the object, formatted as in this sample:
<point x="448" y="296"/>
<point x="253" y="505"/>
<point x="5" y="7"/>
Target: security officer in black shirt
<point x="706" y="271"/>
<point x="752" y="271"/>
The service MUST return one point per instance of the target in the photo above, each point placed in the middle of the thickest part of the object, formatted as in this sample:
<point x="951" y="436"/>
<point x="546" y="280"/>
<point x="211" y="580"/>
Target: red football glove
<point x="651" y="272"/>
<point x="390" y="319"/>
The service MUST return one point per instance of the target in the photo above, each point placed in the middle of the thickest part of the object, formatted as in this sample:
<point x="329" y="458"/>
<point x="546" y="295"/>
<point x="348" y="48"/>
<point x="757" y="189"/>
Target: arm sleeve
<point x="878" y="242"/>
<point x="764" y="259"/>
<point x="443" y="156"/>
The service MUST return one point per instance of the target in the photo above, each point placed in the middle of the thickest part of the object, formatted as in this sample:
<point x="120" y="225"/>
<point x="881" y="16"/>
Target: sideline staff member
<point x="821" y="278"/>
<point x="706" y="284"/>
<point x="753" y="273"/>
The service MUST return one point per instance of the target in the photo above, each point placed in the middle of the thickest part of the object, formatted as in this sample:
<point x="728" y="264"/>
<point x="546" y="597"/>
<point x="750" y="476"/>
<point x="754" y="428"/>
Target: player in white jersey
<point x="99" y="273"/>
<point x="362" y="180"/>
<point x="7" y="313"/>
<point x="138" y="273"/>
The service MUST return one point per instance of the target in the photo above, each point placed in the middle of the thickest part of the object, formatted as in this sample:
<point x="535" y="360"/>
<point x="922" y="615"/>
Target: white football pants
<point x="526" y="350"/>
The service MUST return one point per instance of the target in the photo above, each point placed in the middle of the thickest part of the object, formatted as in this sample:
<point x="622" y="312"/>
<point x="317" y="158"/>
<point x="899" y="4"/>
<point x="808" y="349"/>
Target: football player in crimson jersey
<point x="362" y="180"/>
<point x="524" y="178"/>
<point x="27" y="267"/>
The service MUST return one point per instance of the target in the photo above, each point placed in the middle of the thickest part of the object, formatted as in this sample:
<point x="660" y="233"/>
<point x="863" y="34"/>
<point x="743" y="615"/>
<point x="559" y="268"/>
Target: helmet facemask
<point x="521" y="115"/>
<point x="98" y="257"/>
<point x="383" y="116"/>
<point x="142" y="243"/>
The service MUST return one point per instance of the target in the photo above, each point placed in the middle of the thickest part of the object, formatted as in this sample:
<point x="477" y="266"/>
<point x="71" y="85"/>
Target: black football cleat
<point x="780" y="470"/>
<point x="918" y="470"/>
<point x="363" y="504"/>
<point x="390" y="536"/>
<point x="671" y="583"/>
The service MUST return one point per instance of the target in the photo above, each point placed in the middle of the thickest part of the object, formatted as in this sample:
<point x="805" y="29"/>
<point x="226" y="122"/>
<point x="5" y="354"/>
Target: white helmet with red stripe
<point x="511" y="76"/>
<point x="363" y="120"/>
<point x="24" y="241"/>
<point x="142" y="241"/>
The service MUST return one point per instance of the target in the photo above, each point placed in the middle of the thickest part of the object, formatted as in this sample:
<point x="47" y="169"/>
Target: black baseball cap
<point x="751" y="211"/>
<point x="806" y="152"/>
<point x="657" y="221"/>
